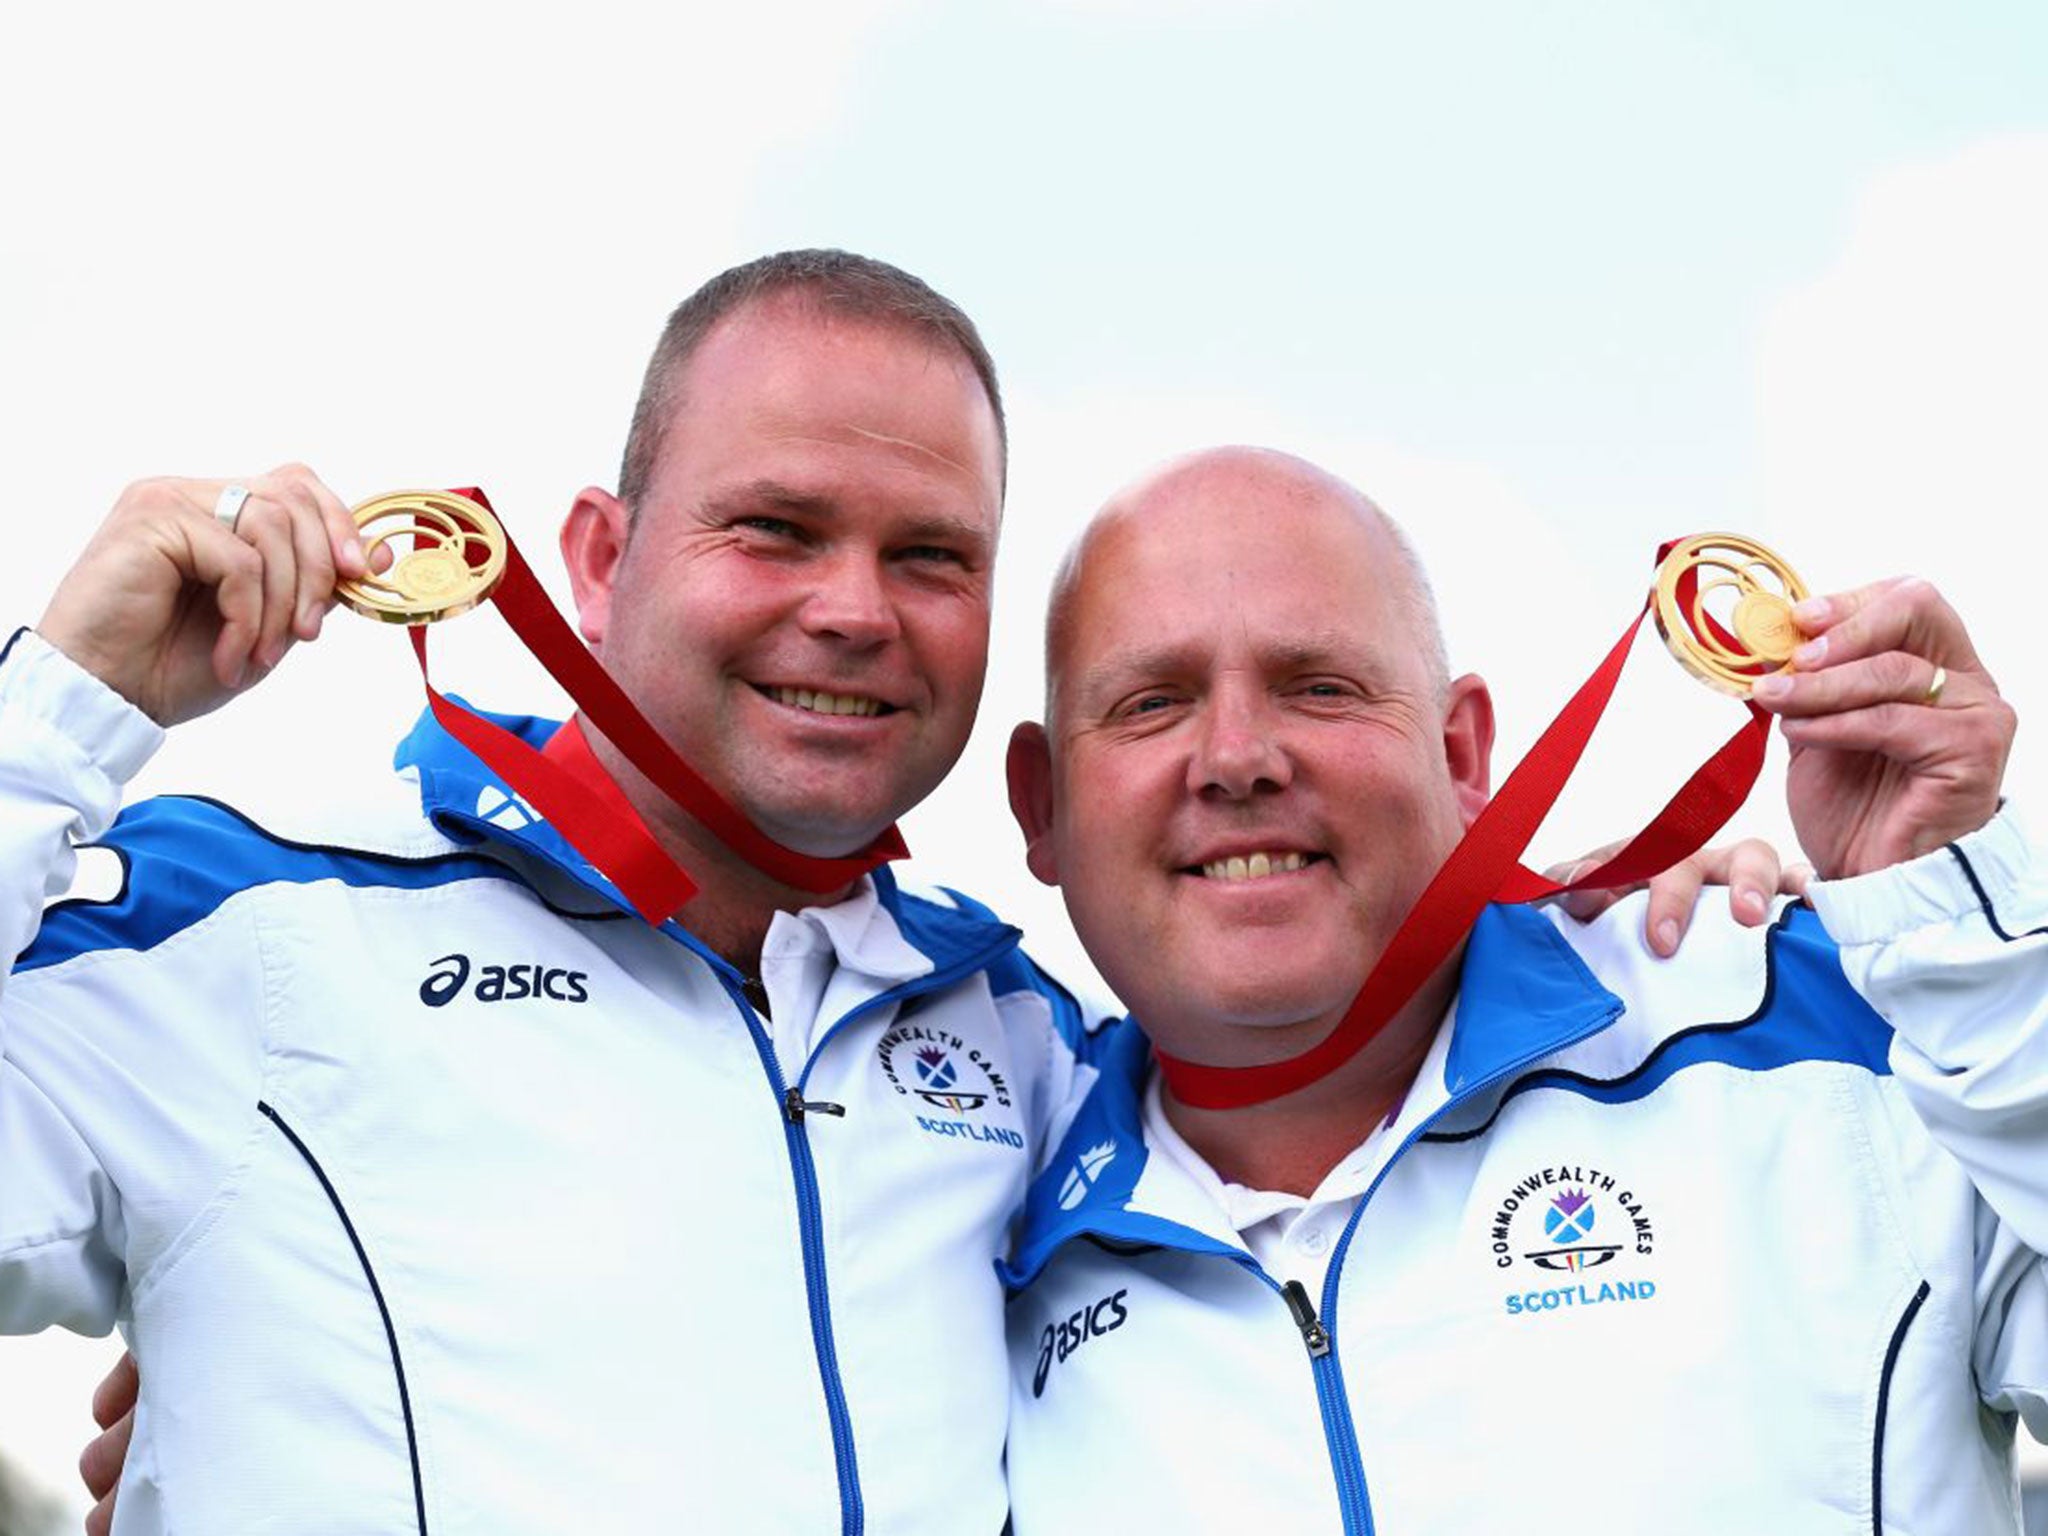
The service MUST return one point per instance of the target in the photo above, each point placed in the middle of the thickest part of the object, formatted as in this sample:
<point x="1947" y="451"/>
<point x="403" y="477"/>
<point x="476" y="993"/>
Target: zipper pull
<point x="795" y="1106"/>
<point x="1313" y="1334"/>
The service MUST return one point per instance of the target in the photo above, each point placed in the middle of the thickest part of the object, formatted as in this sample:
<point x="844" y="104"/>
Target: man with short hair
<point x="1750" y="1240"/>
<point x="419" y="1169"/>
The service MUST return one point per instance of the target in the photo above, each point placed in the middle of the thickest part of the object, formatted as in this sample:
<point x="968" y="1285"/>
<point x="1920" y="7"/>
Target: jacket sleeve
<point x="67" y="745"/>
<point x="1952" y="949"/>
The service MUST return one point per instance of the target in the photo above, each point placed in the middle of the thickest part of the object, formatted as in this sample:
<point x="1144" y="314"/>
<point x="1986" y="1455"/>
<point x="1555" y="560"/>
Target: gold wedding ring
<point x="448" y="554"/>
<point x="1733" y="622"/>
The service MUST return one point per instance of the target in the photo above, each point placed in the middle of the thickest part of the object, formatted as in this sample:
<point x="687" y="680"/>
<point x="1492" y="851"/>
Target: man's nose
<point x="1238" y="751"/>
<point x="851" y="603"/>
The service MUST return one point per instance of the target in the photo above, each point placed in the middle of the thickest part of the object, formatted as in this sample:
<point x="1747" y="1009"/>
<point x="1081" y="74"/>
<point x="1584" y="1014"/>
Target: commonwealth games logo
<point x="945" y="1069"/>
<point x="1569" y="1223"/>
<point x="941" y="1079"/>
<point x="1573" y="1217"/>
<point x="1589" y="1215"/>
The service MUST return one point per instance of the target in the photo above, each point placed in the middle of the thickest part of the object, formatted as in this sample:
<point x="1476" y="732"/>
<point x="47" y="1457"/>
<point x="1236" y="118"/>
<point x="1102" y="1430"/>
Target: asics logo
<point x="502" y="983"/>
<point x="1061" y="1338"/>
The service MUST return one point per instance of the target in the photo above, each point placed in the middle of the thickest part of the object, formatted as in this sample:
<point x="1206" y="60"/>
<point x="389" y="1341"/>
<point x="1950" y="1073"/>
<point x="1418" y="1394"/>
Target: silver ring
<point x="1934" y="686"/>
<point x="227" y="511"/>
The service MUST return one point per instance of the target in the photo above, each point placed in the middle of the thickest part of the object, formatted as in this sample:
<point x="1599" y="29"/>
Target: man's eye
<point x="1149" y="704"/>
<point x="774" y="527"/>
<point x="933" y="554"/>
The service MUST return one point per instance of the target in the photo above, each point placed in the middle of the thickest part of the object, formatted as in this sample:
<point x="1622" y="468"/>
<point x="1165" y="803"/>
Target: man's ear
<point x="1468" y="745"/>
<point x="1031" y="798"/>
<point x="593" y="542"/>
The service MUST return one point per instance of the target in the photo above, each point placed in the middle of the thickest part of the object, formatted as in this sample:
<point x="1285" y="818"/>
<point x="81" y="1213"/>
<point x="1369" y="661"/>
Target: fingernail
<point x="1811" y="610"/>
<point x="1811" y="653"/>
<point x="1751" y="901"/>
<point x="1776" y="686"/>
<point x="352" y="553"/>
<point x="1667" y="935"/>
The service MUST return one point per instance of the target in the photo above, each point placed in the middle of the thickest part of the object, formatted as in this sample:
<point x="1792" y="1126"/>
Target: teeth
<point x="819" y="703"/>
<point x="1254" y="866"/>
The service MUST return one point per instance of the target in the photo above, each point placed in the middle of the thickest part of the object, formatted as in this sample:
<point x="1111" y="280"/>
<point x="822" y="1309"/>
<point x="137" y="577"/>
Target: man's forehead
<point x="1284" y="642"/>
<point x="1234" y="558"/>
<point x="1279" y="562"/>
<point x="778" y="376"/>
<point x="784" y="344"/>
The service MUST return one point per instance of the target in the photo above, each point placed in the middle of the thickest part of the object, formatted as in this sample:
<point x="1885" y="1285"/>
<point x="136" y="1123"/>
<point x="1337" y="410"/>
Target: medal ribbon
<point x="569" y="787"/>
<point x="1485" y="867"/>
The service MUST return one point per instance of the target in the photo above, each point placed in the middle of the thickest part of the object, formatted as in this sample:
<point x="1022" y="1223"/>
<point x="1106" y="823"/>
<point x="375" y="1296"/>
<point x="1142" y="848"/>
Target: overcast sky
<point x="1551" y="281"/>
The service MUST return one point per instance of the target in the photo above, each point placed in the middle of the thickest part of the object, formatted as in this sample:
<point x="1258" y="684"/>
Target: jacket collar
<point x="1523" y="995"/>
<point x="474" y="807"/>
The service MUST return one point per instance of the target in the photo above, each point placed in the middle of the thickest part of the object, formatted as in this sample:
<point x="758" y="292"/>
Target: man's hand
<point x="1751" y="870"/>
<point x="176" y="612"/>
<point x="113" y="1409"/>
<point x="1898" y="735"/>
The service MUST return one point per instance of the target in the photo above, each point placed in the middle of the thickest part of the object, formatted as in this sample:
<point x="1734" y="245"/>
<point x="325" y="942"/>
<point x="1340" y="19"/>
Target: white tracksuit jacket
<point x="1705" y="1245"/>
<point x="436" y="1193"/>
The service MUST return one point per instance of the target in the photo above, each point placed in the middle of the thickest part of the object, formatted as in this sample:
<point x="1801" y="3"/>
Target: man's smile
<point x="1252" y="864"/>
<point x="818" y="702"/>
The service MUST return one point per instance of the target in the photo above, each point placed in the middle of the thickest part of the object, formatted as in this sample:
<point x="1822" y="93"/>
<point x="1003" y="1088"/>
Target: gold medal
<point x="1746" y="631"/>
<point x="453" y="557"/>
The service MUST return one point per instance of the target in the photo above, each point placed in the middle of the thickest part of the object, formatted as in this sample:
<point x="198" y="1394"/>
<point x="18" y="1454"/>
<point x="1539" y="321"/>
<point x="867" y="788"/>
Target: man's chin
<point x="1237" y="1026"/>
<point x="1262" y="997"/>
<point x="828" y="817"/>
<point x="820" y="837"/>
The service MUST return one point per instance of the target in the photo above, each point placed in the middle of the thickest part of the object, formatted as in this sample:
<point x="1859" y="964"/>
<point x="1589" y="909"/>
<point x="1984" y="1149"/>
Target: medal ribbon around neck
<point x="460" y="557"/>
<point x="1486" y="867"/>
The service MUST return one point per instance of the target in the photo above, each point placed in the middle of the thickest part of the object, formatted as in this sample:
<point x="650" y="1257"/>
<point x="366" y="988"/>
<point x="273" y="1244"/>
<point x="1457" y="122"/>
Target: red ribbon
<point x="569" y="787"/>
<point x="1485" y="867"/>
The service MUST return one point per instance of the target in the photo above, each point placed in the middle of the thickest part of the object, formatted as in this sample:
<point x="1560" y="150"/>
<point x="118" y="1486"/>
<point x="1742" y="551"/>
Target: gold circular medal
<point x="447" y="555"/>
<point x="1732" y="622"/>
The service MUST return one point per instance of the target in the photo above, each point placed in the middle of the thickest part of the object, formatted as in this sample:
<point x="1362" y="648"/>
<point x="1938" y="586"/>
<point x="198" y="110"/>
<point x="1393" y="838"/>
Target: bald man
<point x="1749" y="1240"/>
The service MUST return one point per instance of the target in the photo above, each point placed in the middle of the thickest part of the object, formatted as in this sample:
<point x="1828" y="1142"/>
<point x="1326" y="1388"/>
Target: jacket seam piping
<point x="1984" y="901"/>
<point x="1884" y="1389"/>
<point x="484" y="868"/>
<point x="1559" y="1076"/>
<point x="412" y="1446"/>
<point x="380" y="855"/>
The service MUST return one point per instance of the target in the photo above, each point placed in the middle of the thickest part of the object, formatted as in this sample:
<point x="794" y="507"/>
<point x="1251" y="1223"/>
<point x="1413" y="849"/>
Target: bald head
<point x="1196" y="496"/>
<point x="1252" y="761"/>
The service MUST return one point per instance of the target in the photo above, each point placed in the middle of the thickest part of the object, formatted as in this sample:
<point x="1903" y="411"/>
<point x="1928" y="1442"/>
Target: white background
<point x="1551" y="281"/>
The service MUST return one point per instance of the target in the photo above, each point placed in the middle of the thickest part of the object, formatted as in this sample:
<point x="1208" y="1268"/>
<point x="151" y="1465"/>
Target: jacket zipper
<point x="1331" y="1397"/>
<point x="1318" y="1333"/>
<point x="810" y="1211"/>
<point x="811" y="1235"/>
